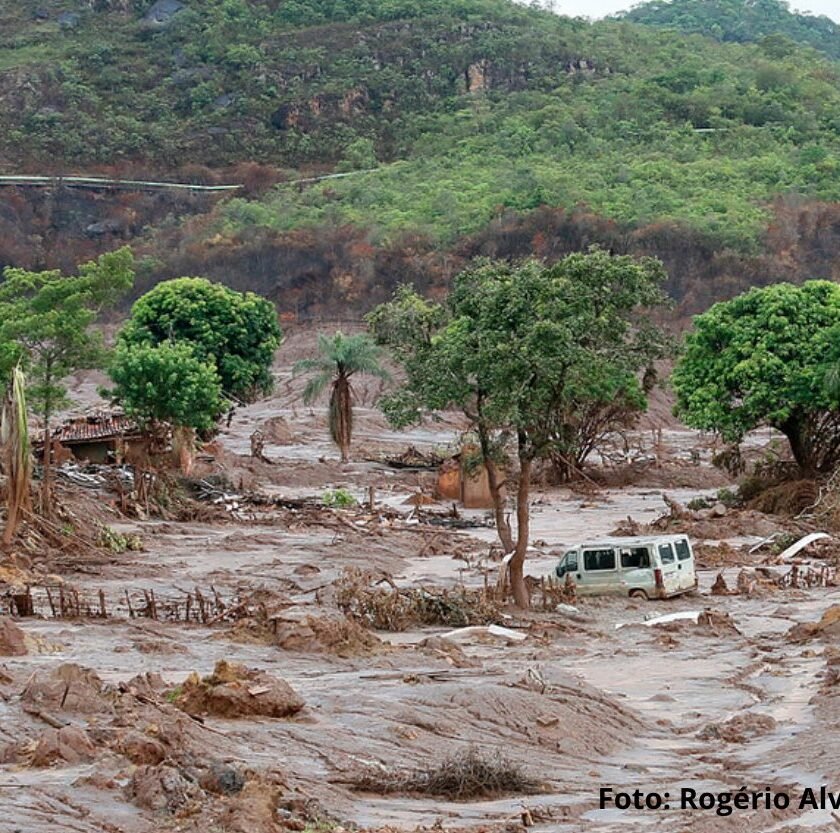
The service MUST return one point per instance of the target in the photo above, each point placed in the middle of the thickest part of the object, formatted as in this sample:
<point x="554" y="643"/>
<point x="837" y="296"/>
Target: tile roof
<point x="94" y="427"/>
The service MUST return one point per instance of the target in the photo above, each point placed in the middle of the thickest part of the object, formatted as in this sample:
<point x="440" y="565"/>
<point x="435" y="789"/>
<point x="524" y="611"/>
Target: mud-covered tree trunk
<point x="341" y="415"/>
<point x="521" y="597"/>
<point x="496" y="485"/>
<point x="183" y="446"/>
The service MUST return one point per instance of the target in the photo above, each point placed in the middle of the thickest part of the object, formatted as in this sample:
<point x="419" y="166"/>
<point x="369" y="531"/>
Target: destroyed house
<point x="95" y="438"/>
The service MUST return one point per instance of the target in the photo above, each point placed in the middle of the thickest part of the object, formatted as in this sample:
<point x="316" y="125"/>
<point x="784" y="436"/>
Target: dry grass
<point x="465" y="775"/>
<point x="787" y="498"/>
<point x="391" y="608"/>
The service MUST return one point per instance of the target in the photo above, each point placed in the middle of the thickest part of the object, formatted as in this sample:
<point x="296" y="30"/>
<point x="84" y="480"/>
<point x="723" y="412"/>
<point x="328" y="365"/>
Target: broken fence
<point x="62" y="602"/>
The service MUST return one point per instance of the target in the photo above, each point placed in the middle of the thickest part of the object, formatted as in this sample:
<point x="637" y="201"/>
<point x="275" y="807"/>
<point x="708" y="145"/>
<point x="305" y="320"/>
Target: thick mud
<point x="157" y="738"/>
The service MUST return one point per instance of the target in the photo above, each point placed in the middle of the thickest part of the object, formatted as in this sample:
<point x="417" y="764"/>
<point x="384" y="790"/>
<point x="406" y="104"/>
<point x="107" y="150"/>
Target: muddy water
<point x="405" y="706"/>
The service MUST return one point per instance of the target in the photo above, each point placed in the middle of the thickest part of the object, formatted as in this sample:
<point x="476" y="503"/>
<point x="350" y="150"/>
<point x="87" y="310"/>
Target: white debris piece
<point x="800" y="545"/>
<point x="691" y="615"/>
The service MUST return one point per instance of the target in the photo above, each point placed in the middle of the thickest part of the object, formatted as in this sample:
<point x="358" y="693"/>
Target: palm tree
<point x="340" y="358"/>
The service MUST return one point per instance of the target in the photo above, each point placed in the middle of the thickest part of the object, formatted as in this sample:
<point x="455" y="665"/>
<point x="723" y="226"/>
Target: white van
<point x="654" y="567"/>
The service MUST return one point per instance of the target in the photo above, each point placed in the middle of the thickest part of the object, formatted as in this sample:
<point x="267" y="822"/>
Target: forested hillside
<point x="464" y="125"/>
<point x="742" y="21"/>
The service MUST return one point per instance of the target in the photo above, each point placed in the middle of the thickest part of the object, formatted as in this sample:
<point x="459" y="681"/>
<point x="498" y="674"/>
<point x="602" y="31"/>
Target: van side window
<point x="599" y="559"/>
<point x="666" y="554"/>
<point x="635" y="558"/>
<point x="683" y="551"/>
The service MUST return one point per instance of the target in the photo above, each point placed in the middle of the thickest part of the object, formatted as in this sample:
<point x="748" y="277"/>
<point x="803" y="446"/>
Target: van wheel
<point x="638" y="594"/>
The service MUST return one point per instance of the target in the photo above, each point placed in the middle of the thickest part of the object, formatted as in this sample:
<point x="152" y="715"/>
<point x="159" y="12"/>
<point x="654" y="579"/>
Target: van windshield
<point x="683" y="550"/>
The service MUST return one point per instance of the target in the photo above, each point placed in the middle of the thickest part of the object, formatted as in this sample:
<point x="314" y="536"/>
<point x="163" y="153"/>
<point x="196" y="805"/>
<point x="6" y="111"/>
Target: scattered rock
<point x="12" y="639"/>
<point x="141" y="749"/>
<point x="236" y="691"/>
<point x="104" y="227"/>
<point x="69" y="744"/>
<point x="69" y="688"/>
<point x="222" y="779"/>
<point x="253" y="810"/>
<point x="162" y="12"/>
<point x="162" y="787"/>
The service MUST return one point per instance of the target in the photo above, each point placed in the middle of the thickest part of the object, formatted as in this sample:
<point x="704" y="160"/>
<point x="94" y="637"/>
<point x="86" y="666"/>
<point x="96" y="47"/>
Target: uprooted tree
<point x="46" y="323"/>
<point x="522" y="349"/>
<point x="768" y="357"/>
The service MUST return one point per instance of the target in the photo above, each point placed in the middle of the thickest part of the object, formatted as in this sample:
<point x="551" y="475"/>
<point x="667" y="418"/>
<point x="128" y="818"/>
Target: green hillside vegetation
<point x="770" y="22"/>
<point x="465" y="108"/>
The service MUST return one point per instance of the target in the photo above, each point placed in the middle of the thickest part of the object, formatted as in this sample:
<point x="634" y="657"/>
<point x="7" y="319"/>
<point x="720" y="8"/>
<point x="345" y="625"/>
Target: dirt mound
<point x="711" y="524"/>
<point x="236" y="691"/>
<point x="12" y="639"/>
<point x="828" y="626"/>
<point x="709" y="556"/>
<point x="446" y="649"/>
<point x="69" y="688"/>
<point x="571" y="718"/>
<point x="162" y="787"/>
<point x="254" y="810"/>
<point x="739" y="729"/>
<point x="324" y="634"/>
<point x="69" y="744"/>
<point x="277" y="431"/>
<point x="140" y="748"/>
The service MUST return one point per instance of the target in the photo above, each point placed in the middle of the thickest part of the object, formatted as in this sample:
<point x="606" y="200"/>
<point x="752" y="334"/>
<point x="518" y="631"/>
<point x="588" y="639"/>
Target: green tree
<point x="238" y="332"/>
<point x="519" y="349"/>
<point x="45" y="325"/>
<point x="765" y="358"/>
<point x="339" y="359"/>
<point x="166" y="384"/>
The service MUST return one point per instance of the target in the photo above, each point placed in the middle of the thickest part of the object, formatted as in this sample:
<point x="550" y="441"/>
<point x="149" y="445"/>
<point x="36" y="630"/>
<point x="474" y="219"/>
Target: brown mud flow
<point x="279" y="665"/>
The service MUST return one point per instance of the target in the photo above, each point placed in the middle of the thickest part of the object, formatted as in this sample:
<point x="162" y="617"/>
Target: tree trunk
<point x="341" y="416"/>
<point x="796" y="431"/>
<point x="183" y="445"/>
<point x="46" y="483"/>
<point x="521" y="596"/>
<point x="495" y="484"/>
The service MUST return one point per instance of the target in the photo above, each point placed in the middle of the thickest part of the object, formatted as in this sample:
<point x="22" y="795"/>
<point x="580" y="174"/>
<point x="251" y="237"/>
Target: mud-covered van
<point x="646" y="567"/>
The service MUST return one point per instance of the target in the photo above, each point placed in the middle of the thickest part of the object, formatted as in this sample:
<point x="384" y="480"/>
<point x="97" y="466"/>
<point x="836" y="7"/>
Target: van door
<point x="670" y="571"/>
<point x="599" y="571"/>
<point x="685" y="564"/>
<point x="636" y="570"/>
<point x="568" y="564"/>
